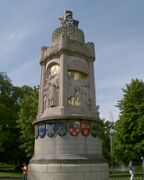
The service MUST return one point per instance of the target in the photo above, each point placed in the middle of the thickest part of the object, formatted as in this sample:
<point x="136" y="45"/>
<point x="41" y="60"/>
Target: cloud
<point x="116" y="64"/>
<point x="11" y="43"/>
<point x="109" y="111"/>
<point x="26" y="73"/>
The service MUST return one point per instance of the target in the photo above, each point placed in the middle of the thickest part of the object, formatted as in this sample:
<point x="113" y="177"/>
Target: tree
<point x="129" y="136"/>
<point x="106" y="140"/>
<point x="6" y="102"/>
<point x="18" y="109"/>
<point x="27" y="114"/>
<point x="9" y="133"/>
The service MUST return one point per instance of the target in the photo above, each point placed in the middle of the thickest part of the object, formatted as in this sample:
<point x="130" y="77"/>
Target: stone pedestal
<point x="68" y="171"/>
<point x="68" y="158"/>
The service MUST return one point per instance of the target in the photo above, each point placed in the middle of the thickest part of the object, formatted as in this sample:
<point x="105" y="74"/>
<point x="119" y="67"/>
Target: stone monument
<point x="67" y="128"/>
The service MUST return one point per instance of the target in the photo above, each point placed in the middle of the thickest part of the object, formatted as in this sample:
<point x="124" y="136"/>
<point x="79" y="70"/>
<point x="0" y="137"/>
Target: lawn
<point x="9" y="171"/>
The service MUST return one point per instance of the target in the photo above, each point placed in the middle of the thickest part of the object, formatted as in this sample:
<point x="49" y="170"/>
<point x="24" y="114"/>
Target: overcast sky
<point x="115" y="26"/>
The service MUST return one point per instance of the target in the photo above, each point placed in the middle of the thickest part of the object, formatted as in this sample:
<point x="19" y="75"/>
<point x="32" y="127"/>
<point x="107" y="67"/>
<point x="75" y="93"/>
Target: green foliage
<point x="27" y="114"/>
<point x="129" y="136"/>
<point x="9" y="107"/>
<point x="6" y="101"/>
<point x="18" y="109"/>
<point x="106" y="141"/>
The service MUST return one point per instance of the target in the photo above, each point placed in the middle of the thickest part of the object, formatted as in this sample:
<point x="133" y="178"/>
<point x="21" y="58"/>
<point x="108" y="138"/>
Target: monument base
<point x="63" y="171"/>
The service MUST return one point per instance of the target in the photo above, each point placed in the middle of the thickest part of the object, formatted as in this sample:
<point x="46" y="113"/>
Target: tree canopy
<point x="108" y="127"/>
<point x="9" y="108"/>
<point x="27" y="114"/>
<point x="129" y="129"/>
<point x="18" y="109"/>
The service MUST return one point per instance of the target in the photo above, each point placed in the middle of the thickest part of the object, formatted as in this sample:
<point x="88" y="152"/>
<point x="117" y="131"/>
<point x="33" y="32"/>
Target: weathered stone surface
<point x="68" y="128"/>
<point x="71" y="172"/>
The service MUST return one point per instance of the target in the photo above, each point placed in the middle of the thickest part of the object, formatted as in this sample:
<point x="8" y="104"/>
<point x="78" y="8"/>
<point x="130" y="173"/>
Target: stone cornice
<point x="69" y="47"/>
<point x="80" y="118"/>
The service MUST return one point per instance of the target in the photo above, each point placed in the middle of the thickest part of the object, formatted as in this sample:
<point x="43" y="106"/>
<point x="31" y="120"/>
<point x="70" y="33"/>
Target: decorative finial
<point x="67" y="19"/>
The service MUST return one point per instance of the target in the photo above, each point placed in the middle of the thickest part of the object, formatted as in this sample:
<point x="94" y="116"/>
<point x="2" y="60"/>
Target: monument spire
<point x="68" y="127"/>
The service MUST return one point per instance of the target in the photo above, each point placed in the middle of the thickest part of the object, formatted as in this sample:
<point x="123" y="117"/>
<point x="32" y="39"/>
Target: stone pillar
<point x="68" y="128"/>
<point x="63" y="80"/>
<point x="40" y="107"/>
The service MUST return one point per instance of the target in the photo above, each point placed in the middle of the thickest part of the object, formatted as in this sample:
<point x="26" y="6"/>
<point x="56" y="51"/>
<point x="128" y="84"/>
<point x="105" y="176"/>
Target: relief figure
<point x="53" y="90"/>
<point x="73" y="91"/>
<point x="84" y="92"/>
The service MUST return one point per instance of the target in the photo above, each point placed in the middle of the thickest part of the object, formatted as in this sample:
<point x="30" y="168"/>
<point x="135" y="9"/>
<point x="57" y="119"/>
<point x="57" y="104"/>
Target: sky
<point x="115" y="26"/>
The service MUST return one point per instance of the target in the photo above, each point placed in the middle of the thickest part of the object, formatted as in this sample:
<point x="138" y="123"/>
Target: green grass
<point x="10" y="174"/>
<point x="9" y="171"/>
<point x="124" y="176"/>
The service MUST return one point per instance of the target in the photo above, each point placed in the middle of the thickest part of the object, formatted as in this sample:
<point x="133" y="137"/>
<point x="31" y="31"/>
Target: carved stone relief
<point x="78" y="64"/>
<point x="77" y="88"/>
<point x="51" y="87"/>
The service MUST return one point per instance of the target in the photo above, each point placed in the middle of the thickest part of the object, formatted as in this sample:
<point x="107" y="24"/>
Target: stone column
<point x="68" y="133"/>
<point x="41" y="91"/>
